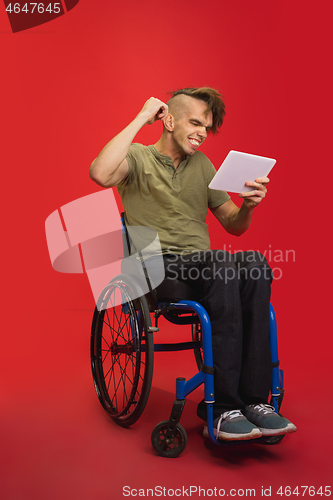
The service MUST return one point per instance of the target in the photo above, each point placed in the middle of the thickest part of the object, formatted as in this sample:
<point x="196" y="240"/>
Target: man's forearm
<point x="239" y="220"/>
<point x="110" y="166"/>
<point x="114" y="153"/>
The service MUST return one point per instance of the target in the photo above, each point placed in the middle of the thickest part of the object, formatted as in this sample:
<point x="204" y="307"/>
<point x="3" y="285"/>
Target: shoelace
<point x="265" y="408"/>
<point x="231" y="414"/>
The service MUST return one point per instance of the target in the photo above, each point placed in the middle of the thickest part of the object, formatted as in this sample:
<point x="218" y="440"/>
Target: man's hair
<point x="213" y="99"/>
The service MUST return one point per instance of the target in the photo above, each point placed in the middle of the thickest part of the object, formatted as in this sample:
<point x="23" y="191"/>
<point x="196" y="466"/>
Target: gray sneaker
<point x="232" y="426"/>
<point x="269" y="422"/>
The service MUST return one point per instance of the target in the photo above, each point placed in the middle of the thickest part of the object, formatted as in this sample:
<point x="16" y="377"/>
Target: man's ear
<point x="169" y="122"/>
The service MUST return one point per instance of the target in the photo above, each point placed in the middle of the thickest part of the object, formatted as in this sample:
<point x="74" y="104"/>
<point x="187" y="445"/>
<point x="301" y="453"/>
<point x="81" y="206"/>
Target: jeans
<point x="235" y="291"/>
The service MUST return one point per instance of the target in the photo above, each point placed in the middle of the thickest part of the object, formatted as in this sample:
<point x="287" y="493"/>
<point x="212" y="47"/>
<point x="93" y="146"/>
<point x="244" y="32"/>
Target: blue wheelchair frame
<point x="206" y="374"/>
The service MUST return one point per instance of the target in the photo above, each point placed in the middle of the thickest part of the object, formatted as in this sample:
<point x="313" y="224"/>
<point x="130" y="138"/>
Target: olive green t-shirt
<point x="172" y="201"/>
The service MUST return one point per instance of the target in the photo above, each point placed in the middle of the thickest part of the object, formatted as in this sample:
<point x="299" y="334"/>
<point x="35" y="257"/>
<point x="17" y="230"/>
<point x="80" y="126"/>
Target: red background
<point x="67" y="87"/>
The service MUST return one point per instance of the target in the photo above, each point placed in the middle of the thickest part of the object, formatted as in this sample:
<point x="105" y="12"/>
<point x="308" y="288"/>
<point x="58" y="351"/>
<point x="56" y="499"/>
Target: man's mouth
<point x="194" y="142"/>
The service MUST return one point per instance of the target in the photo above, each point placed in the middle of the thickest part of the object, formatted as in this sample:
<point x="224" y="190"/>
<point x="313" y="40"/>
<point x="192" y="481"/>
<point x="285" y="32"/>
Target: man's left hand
<point x="253" y="198"/>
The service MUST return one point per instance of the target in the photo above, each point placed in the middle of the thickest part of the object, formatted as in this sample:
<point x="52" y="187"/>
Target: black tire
<point x="166" y="446"/>
<point x="196" y="336"/>
<point x="273" y="440"/>
<point x="122" y="351"/>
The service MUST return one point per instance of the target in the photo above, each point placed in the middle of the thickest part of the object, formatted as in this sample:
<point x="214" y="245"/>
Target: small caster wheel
<point x="273" y="439"/>
<point x="165" y="445"/>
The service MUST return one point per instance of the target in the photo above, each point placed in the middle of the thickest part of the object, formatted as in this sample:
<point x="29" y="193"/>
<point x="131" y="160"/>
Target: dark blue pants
<point x="235" y="291"/>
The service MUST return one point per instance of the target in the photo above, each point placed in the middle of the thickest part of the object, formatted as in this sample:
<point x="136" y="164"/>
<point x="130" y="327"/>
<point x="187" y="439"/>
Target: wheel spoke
<point x="121" y="379"/>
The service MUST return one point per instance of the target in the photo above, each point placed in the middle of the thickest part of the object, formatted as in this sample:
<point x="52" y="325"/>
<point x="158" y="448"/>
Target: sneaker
<point x="267" y="420"/>
<point x="232" y="425"/>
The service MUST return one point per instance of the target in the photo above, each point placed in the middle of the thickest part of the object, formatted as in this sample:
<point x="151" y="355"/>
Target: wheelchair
<point x="122" y="355"/>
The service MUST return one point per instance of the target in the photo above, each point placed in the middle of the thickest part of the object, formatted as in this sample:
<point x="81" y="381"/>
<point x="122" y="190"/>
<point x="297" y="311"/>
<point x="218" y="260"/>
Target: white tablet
<point x="238" y="168"/>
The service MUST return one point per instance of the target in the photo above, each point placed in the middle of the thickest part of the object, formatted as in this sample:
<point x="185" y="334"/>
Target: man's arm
<point x="110" y="167"/>
<point x="237" y="220"/>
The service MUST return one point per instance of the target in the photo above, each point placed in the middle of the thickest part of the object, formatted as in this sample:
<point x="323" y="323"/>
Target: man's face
<point x="192" y="126"/>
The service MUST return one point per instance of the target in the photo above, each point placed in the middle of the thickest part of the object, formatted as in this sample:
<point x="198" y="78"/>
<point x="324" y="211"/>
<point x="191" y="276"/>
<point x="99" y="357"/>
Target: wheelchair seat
<point x="173" y="290"/>
<point x="169" y="290"/>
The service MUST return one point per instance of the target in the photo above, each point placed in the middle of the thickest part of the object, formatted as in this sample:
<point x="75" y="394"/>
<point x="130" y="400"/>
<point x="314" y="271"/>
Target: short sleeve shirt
<point x="172" y="201"/>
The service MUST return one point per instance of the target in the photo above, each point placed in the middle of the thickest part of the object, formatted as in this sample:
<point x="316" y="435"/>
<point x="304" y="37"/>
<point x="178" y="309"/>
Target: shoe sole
<point x="227" y="436"/>
<point x="278" y="432"/>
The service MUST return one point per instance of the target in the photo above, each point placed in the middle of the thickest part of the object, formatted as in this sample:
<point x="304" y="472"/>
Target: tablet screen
<point x="238" y="168"/>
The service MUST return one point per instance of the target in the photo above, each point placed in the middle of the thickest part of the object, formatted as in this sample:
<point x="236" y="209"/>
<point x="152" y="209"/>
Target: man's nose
<point x="203" y="132"/>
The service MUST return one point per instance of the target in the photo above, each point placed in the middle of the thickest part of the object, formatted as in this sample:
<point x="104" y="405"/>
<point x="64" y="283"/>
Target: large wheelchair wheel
<point x="122" y="351"/>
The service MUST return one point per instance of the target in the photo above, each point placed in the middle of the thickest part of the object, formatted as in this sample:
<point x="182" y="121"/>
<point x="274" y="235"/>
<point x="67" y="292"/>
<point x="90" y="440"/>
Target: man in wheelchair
<point x="165" y="186"/>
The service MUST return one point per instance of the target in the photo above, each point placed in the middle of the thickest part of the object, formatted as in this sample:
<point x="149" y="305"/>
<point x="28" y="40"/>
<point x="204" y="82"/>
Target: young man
<point x="165" y="187"/>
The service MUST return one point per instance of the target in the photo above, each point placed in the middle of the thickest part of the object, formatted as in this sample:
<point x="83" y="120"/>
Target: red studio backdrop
<point x="68" y="85"/>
